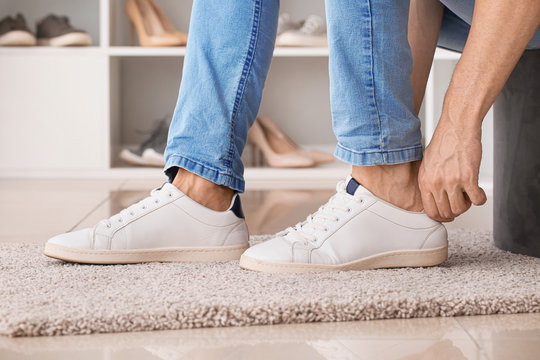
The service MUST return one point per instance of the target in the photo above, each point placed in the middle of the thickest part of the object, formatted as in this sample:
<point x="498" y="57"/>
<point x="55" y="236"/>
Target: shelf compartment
<point x="83" y="14"/>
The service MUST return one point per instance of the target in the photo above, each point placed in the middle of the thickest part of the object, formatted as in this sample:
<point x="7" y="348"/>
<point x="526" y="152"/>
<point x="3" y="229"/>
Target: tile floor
<point x="32" y="211"/>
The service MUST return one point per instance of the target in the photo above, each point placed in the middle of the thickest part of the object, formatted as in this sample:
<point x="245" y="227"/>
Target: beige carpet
<point x="41" y="296"/>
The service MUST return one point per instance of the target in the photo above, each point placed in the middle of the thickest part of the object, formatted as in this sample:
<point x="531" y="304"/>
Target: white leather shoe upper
<point x="167" y="218"/>
<point x="352" y="225"/>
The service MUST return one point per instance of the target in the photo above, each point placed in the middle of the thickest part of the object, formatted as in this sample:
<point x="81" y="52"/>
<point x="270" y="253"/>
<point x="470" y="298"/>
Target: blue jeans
<point x="227" y="60"/>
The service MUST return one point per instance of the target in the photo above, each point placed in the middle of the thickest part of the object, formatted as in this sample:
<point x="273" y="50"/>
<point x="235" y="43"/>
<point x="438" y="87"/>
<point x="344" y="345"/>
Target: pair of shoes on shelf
<point x="310" y="32"/>
<point x="150" y="152"/>
<point x="280" y="150"/>
<point x="153" y="26"/>
<point x="354" y="230"/>
<point x="52" y="30"/>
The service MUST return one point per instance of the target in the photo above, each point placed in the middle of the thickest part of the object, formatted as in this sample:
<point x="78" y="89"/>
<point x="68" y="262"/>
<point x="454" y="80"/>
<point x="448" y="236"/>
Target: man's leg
<point x="366" y="224"/>
<point x="227" y="59"/>
<point x="425" y="17"/>
<point x="374" y="118"/>
<point x="398" y="183"/>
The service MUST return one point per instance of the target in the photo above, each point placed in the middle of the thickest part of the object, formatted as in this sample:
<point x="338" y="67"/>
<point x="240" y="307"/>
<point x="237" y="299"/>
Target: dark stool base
<point x="516" y="192"/>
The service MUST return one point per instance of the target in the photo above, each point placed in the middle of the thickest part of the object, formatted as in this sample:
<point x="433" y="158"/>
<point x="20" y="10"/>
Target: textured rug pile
<point x="41" y="296"/>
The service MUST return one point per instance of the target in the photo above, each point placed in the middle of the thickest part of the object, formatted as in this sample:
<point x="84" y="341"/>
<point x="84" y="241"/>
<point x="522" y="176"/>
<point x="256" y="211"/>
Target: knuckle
<point x="437" y="181"/>
<point x="455" y="178"/>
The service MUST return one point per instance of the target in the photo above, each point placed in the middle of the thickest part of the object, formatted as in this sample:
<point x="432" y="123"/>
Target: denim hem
<point x="246" y="71"/>
<point x="204" y="171"/>
<point x="376" y="157"/>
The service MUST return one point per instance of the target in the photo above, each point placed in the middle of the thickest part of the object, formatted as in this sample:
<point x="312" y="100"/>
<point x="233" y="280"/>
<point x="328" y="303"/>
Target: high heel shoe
<point x="318" y="157"/>
<point x="167" y="24"/>
<point x="152" y="25"/>
<point x="278" y="152"/>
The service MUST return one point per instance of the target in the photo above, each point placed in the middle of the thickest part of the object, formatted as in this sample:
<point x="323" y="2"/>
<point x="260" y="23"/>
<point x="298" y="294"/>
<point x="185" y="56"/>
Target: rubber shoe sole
<point x="149" y="157"/>
<point x="104" y="257"/>
<point x="17" y="38"/>
<point x="71" y="39"/>
<point x="391" y="259"/>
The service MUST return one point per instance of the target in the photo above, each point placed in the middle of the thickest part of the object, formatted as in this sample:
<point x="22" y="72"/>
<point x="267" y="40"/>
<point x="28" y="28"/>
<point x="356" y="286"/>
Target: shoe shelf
<point x="180" y="51"/>
<point x="440" y="54"/>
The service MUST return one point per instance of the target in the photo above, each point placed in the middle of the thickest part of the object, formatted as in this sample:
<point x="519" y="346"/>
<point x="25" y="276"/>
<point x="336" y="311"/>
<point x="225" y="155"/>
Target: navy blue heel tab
<point x="236" y="207"/>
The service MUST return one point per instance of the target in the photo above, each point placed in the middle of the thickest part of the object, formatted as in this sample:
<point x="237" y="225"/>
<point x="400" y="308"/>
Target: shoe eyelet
<point x="120" y="220"/>
<point x="108" y="226"/>
<point x="170" y="195"/>
<point x="349" y="210"/>
<point x="144" y="207"/>
<point x="132" y="213"/>
<point x="156" y="202"/>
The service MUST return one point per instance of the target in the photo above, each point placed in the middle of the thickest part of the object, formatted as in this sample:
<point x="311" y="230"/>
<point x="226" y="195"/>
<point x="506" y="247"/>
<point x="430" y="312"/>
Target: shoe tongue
<point x="354" y="187"/>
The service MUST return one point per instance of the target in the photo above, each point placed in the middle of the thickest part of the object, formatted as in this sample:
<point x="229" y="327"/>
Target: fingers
<point x="431" y="207"/>
<point x="443" y="204"/>
<point x="476" y="194"/>
<point x="448" y="176"/>
<point x="440" y="204"/>
<point x="444" y="207"/>
<point x="459" y="202"/>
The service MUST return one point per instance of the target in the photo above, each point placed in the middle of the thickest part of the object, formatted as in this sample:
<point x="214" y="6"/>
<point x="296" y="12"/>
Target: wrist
<point x="463" y="111"/>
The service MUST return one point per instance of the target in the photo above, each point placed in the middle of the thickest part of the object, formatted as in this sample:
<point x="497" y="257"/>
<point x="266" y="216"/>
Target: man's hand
<point x="448" y="176"/>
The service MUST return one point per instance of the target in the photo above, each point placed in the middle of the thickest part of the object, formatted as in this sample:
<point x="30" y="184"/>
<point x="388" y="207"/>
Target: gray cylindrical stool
<point x="516" y="193"/>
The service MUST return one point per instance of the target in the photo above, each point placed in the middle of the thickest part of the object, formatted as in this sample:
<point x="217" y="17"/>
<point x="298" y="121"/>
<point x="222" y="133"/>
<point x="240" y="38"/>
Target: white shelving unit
<point x="46" y="131"/>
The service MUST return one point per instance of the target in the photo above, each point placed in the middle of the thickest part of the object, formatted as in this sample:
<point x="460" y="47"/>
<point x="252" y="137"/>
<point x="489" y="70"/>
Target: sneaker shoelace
<point x="306" y="231"/>
<point x="156" y="196"/>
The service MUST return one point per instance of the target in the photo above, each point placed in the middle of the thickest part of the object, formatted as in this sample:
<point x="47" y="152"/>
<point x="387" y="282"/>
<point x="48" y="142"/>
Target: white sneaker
<point x="312" y="33"/>
<point x="355" y="230"/>
<point x="166" y="226"/>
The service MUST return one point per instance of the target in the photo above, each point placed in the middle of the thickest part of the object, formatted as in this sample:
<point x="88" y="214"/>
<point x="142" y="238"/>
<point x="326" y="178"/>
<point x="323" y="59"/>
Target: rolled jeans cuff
<point x="203" y="170"/>
<point x="378" y="157"/>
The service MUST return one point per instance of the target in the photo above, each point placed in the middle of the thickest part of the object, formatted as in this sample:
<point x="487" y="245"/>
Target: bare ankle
<point x="205" y="192"/>
<point x="396" y="184"/>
